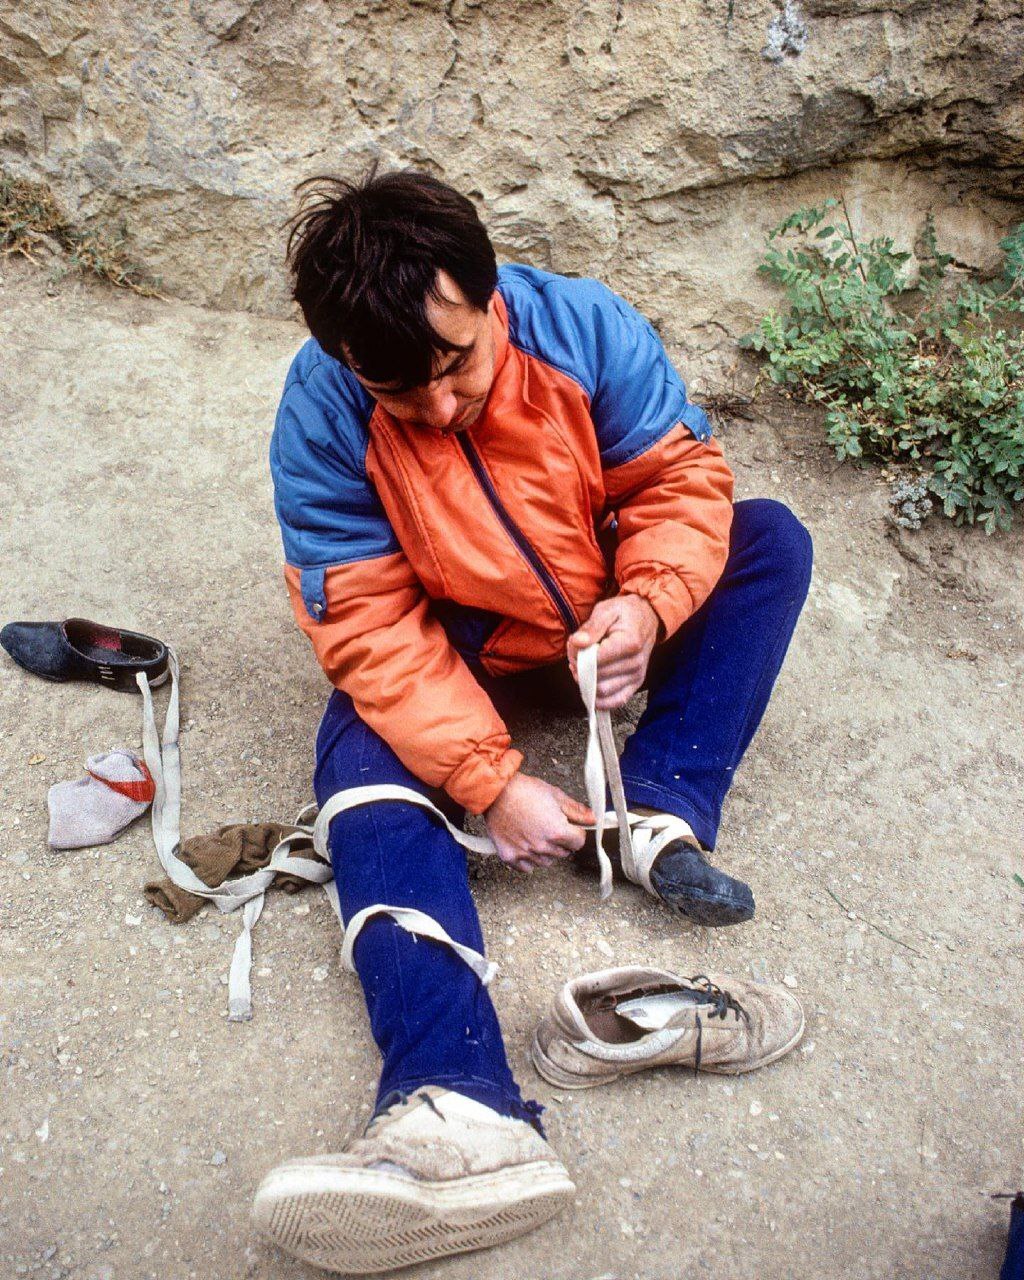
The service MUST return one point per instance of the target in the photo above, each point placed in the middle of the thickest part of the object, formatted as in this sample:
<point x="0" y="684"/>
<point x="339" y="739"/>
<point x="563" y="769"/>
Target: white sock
<point x="94" y="809"/>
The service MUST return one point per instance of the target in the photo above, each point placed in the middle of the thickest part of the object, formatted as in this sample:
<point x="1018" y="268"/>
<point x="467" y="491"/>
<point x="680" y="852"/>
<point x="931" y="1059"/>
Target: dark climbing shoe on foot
<point x="668" y="862"/>
<point x="82" y="650"/>
<point x="684" y="879"/>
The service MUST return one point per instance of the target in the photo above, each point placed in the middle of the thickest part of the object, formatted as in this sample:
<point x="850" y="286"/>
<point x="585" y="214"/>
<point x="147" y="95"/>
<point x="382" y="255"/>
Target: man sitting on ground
<point x="479" y="473"/>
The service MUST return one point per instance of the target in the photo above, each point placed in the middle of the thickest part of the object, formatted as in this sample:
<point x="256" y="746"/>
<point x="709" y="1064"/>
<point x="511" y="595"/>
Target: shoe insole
<point x="654" y="1012"/>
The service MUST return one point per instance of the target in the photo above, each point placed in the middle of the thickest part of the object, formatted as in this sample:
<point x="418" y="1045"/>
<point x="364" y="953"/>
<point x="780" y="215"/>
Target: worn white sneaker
<point x="435" y="1174"/>
<point x="616" y="1022"/>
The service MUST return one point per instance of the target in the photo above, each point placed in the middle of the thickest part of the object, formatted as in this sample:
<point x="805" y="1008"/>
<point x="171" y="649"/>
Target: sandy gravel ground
<point x="135" y="1121"/>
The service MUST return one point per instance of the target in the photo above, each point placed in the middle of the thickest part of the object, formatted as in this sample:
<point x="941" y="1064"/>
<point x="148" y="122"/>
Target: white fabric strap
<point x="641" y="839"/>
<point x="601" y="765"/>
<point x="352" y="797"/>
<point x="417" y="923"/>
<point x="163" y="759"/>
<point x="652" y="833"/>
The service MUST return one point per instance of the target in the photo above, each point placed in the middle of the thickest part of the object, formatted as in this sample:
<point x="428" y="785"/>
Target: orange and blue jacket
<point x="413" y="555"/>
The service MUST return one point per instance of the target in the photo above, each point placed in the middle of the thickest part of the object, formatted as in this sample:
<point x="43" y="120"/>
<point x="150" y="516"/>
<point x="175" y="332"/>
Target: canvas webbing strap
<point x="246" y="893"/>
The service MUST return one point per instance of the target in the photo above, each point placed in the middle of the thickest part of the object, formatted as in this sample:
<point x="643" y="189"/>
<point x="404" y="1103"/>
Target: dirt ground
<point x="878" y="817"/>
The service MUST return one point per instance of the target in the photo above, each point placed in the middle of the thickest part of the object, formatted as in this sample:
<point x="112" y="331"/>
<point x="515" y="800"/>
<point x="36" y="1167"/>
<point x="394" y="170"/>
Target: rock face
<point x="648" y="142"/>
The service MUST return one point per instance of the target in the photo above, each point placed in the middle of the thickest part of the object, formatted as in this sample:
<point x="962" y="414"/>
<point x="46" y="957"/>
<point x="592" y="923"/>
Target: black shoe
<point x="82" y="650"/>
<point x="691" y="886"/>
<point x="683" y="879"/>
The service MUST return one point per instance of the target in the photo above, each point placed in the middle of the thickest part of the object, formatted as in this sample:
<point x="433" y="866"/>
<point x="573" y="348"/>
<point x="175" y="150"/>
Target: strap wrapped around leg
<point x="416" y="922"/>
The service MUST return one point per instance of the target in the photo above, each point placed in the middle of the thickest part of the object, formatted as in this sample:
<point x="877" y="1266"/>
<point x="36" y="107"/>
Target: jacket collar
<point x="499" y="323"/>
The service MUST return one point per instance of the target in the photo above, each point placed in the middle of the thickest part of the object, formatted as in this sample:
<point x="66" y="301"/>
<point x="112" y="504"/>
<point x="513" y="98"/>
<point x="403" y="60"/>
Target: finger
<point x="628" y="663"/>
<point x="555" y="846"/>
<point x="612" y="688"/>
<point x="616" y="702"/>
<point x="593" y="630"/>
<point x="524" y="865"/>
<point x="508" y="853"/>
<point x="570" y="841"/>
<point x="575" y="810"/>
<point x="616" y="646"/>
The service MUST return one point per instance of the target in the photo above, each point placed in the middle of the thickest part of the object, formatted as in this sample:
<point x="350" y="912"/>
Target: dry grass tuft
<point x="31" y="221"/>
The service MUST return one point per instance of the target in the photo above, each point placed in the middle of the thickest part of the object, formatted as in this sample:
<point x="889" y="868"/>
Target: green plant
<point x="929" y="377"/>
<point x="30" y="217"/>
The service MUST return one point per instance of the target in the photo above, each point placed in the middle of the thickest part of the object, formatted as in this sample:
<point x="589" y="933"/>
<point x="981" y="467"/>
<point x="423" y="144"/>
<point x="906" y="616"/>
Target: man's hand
<point x="531" y="823"/>
<point x="626" y="628"/>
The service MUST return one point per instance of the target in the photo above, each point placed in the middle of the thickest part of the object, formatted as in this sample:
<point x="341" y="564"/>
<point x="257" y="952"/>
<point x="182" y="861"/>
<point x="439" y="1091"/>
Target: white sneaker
<point x="615" y="1022"/>
<point x="436" y="1174"/>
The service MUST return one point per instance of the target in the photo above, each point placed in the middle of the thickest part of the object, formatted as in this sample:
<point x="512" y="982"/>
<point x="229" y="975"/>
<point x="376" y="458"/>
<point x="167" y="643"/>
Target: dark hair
<point x="365" y="258"/>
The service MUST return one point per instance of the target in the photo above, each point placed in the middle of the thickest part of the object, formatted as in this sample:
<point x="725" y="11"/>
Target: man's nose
<point x="439" y="407"/>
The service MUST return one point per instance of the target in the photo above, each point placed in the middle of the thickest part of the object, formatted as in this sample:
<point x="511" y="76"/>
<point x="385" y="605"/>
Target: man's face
<point x="455" y="397"/>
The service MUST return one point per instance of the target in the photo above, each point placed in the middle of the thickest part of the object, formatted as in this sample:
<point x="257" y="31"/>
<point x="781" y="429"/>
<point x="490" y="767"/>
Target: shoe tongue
<point x="660" y="1010"/>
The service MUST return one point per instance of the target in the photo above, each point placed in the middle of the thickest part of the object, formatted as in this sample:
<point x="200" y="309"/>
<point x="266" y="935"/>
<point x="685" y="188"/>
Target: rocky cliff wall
<point x="648" y="142"/>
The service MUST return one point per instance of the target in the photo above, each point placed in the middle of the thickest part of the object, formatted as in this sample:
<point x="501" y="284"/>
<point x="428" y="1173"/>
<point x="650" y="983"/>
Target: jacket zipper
<point x="544" y="575"/>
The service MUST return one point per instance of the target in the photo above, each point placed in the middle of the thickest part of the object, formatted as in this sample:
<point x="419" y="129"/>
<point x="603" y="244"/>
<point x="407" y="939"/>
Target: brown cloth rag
<point x="234" y="850"/>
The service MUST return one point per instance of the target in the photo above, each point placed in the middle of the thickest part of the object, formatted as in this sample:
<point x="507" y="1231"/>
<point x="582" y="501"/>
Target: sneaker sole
<point x="359" y="1221"/>
<point x="563" y="1079"/>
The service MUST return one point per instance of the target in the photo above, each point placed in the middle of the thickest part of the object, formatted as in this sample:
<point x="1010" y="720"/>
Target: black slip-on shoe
<point x="684" y="879"/>
<point x="81" y="650"/>
<point x="679" y="873"/>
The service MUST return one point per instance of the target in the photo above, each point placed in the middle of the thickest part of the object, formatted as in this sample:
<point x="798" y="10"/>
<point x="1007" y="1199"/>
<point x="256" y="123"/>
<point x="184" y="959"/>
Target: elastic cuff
<point x="667" y="596"/>
<point x="480" y="779"/>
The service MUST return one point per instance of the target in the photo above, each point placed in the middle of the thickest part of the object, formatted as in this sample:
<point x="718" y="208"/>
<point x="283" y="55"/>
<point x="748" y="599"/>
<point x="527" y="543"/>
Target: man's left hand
<point x="626" y="629"/>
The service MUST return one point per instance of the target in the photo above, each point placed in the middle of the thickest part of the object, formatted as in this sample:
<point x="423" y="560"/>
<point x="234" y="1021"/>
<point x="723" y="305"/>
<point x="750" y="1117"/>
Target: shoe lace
<point x="398" y="1098"/>
<point x="722" y="1004"/>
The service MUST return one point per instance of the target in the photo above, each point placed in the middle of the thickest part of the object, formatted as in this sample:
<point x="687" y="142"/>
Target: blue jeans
<point x="708" y="687"/>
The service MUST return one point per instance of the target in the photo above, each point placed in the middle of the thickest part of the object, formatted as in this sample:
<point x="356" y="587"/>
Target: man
<point x="478" y="474"/>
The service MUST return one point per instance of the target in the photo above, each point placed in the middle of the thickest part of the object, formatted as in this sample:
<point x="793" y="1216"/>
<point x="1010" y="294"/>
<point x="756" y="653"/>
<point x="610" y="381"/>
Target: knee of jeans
<point x="343" y="744"/>
<point x="784" y="536"/>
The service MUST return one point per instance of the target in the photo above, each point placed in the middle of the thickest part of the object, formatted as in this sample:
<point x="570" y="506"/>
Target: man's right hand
<point x="532" y="823"/>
